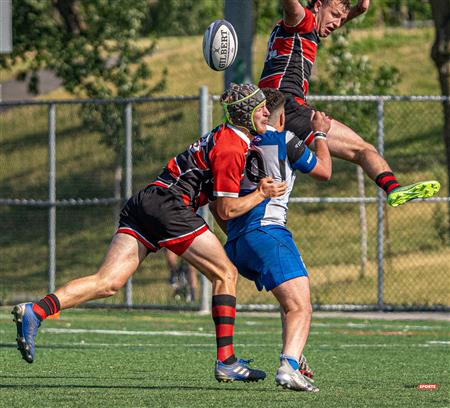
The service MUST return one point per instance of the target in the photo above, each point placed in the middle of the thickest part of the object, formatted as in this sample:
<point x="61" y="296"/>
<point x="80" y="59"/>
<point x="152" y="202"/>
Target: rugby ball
<point x="220" y="45"/>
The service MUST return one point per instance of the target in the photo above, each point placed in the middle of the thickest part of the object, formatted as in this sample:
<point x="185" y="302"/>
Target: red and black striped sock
<point x="224" y="313"/>
<point x="387" y="181"/>
<point x="47" y="306"/>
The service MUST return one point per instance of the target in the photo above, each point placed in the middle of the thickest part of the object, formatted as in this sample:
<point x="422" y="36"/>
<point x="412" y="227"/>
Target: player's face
<point x="261" y="119"/>
<point x="330" y="17"/>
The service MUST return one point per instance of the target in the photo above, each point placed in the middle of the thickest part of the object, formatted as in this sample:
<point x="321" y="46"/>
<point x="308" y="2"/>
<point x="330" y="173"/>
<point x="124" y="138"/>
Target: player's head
<point x="275" y="104"/>
<point x="245" y="107"/>
<point x="330" y="14"/>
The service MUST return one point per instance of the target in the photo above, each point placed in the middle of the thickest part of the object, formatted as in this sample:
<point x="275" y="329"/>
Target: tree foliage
<point x="187" y="17"/>
<point x="91" y="46"/>
<point x="349" y="74"/>
<point x="440" y="54"/>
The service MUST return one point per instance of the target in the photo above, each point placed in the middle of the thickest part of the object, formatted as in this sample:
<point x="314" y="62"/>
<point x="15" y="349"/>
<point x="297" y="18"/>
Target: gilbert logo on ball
<point x="220" y="45"/>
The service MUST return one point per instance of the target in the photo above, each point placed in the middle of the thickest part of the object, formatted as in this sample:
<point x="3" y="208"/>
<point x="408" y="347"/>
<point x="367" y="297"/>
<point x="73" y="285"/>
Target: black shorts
<point x="298" y="118"/>
<point x="158" y="217"/>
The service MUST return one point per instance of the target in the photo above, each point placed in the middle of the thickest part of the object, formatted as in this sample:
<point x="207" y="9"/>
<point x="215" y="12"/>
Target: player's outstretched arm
<point x="361" y="7"/>
<point x="320" y="124"/>
<point x="293" y="12"/>
<point x="229" y="207"/>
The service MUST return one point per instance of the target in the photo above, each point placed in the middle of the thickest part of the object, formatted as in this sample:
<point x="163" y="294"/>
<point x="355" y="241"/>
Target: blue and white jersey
<point x="278" y="155"/>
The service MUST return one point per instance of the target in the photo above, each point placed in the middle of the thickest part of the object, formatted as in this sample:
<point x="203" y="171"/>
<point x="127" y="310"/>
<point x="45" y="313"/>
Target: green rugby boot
<point x="423" y="189"/>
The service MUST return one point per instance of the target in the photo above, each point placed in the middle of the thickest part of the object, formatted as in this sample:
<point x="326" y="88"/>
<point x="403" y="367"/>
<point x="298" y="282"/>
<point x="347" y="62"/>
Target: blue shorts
<point x="267" y="255"/>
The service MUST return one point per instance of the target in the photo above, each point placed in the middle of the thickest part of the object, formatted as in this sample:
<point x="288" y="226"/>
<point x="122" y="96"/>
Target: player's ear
<point x="317" y="6"/>
<point x="282" y="119"/>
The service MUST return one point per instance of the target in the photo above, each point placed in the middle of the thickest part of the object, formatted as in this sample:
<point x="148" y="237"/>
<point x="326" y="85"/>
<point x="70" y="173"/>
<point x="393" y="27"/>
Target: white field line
<point x="350" y="325"/>
<point x="83" y="343"/>
<point x="129" y="332"/>
<point x="377" y="326"/>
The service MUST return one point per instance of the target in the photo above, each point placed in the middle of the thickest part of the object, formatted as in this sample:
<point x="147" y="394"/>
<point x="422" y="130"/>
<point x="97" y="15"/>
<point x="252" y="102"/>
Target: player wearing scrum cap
<point x="163" y="215"/>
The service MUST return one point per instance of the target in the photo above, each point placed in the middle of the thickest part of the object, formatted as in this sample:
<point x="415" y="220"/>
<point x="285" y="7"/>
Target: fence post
<point x="51" y="197"/>
<point x="205" y="115"/>
<point x="128" y="182"/>
<point x="380" y="210"/>
<point x="362" y="222"/>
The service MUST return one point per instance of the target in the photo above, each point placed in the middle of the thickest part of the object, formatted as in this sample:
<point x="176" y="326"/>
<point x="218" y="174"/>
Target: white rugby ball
<point x="220" y="45"/>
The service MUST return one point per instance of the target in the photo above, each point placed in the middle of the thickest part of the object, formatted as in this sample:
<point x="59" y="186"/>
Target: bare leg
<point x="206" y="253"/>
<point x="122" y="259"/>
<point x="294" y="298"/>
<point x="192" y="283"/>
<point x="171" y="259"/>
<point x="346" y="144"/>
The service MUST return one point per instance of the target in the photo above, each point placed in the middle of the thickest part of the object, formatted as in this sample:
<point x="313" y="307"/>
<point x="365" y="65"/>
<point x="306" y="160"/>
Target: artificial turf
<point x="153" y="359"/>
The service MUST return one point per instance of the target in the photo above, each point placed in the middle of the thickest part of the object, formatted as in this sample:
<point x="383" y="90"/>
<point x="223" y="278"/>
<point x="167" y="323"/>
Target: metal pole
<point x="205" y="107"/>
<point x="128" y="182"/>
<point x="380" y="210"/>
<point x="362" y="221"/>
<point x="51" y="197"/>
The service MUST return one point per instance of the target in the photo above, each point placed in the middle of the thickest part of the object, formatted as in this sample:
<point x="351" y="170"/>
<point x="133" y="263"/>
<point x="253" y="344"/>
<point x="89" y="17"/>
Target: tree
<point x="349" y="74"/>
<point x="91" y="46"/>
<point x="440" y="53"/>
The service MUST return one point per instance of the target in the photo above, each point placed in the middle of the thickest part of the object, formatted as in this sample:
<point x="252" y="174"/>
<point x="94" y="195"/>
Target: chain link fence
<point x="67" y="167"/>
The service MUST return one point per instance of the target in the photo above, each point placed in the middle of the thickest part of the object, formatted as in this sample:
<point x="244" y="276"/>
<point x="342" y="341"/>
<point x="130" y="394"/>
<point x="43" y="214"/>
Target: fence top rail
<point x="123" y="101"/>
<point x="372" y="98"/>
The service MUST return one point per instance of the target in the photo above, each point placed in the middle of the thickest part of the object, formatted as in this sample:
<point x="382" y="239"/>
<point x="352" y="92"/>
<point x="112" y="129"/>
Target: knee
<point x="303" y="309"/>
<point x="108" y="287"/>
<point x="227" y="273"/>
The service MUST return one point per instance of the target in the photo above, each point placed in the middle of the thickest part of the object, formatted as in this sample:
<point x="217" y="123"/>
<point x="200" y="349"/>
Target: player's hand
<point x="269" y="189"/>
<point x="320" y="122"/>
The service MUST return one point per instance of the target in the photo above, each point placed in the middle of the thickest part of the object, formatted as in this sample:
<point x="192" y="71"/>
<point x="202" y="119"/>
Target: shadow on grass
<point x="31" y="140"/>
<point x="138" y="387"/>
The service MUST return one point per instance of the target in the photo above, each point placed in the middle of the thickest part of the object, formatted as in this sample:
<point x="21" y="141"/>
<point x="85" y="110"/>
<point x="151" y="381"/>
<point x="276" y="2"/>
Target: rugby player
<point x="163" y="215"/>
<point x="261" y="246"/>
<point x="291" y="54"/>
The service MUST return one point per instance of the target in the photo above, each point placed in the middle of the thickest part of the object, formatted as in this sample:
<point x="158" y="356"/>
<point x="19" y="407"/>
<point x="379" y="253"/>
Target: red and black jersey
<point x="214" y="165"/>
<point x="290" y="57"/>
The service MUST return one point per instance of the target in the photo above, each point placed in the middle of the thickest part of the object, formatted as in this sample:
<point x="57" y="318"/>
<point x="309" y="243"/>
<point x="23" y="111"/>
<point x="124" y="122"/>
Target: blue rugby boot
<point x="27" y="325"/>
<point x="239" y="371"/>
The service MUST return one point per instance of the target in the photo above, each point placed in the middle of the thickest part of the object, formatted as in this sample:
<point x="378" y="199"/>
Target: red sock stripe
<point x="224" y="352"/>
<point x="224" y="311"/>
<point x="39" y="311"/>
<point x="391" y="187"/>
<point x="48" y="303"/>
<point x="385" y="179"/>
<point x="224" y="330"/>
<point x="53" y="308"/>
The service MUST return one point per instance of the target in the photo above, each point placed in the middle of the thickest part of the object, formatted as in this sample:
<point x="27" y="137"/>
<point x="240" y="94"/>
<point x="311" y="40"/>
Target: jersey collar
<point x="240" y="133"/>
<point x="271" y="128"/>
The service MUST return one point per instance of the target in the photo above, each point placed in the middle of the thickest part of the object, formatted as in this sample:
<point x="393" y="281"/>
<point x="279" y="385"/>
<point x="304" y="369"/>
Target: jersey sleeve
<point x="306" y="24"/>
<point x="299" y="155"/>
<point x="227" y="167"/>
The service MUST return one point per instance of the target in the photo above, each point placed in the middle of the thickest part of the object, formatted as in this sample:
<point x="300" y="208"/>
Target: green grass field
<point x="107" y="358"/>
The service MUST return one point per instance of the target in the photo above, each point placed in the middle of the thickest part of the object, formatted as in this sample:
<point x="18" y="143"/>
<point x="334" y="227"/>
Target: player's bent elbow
<point x="225" y="211"/>
<point x="225" y="214"/>
<point x="325" y="177"/>
<point x="322" y="175"/>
